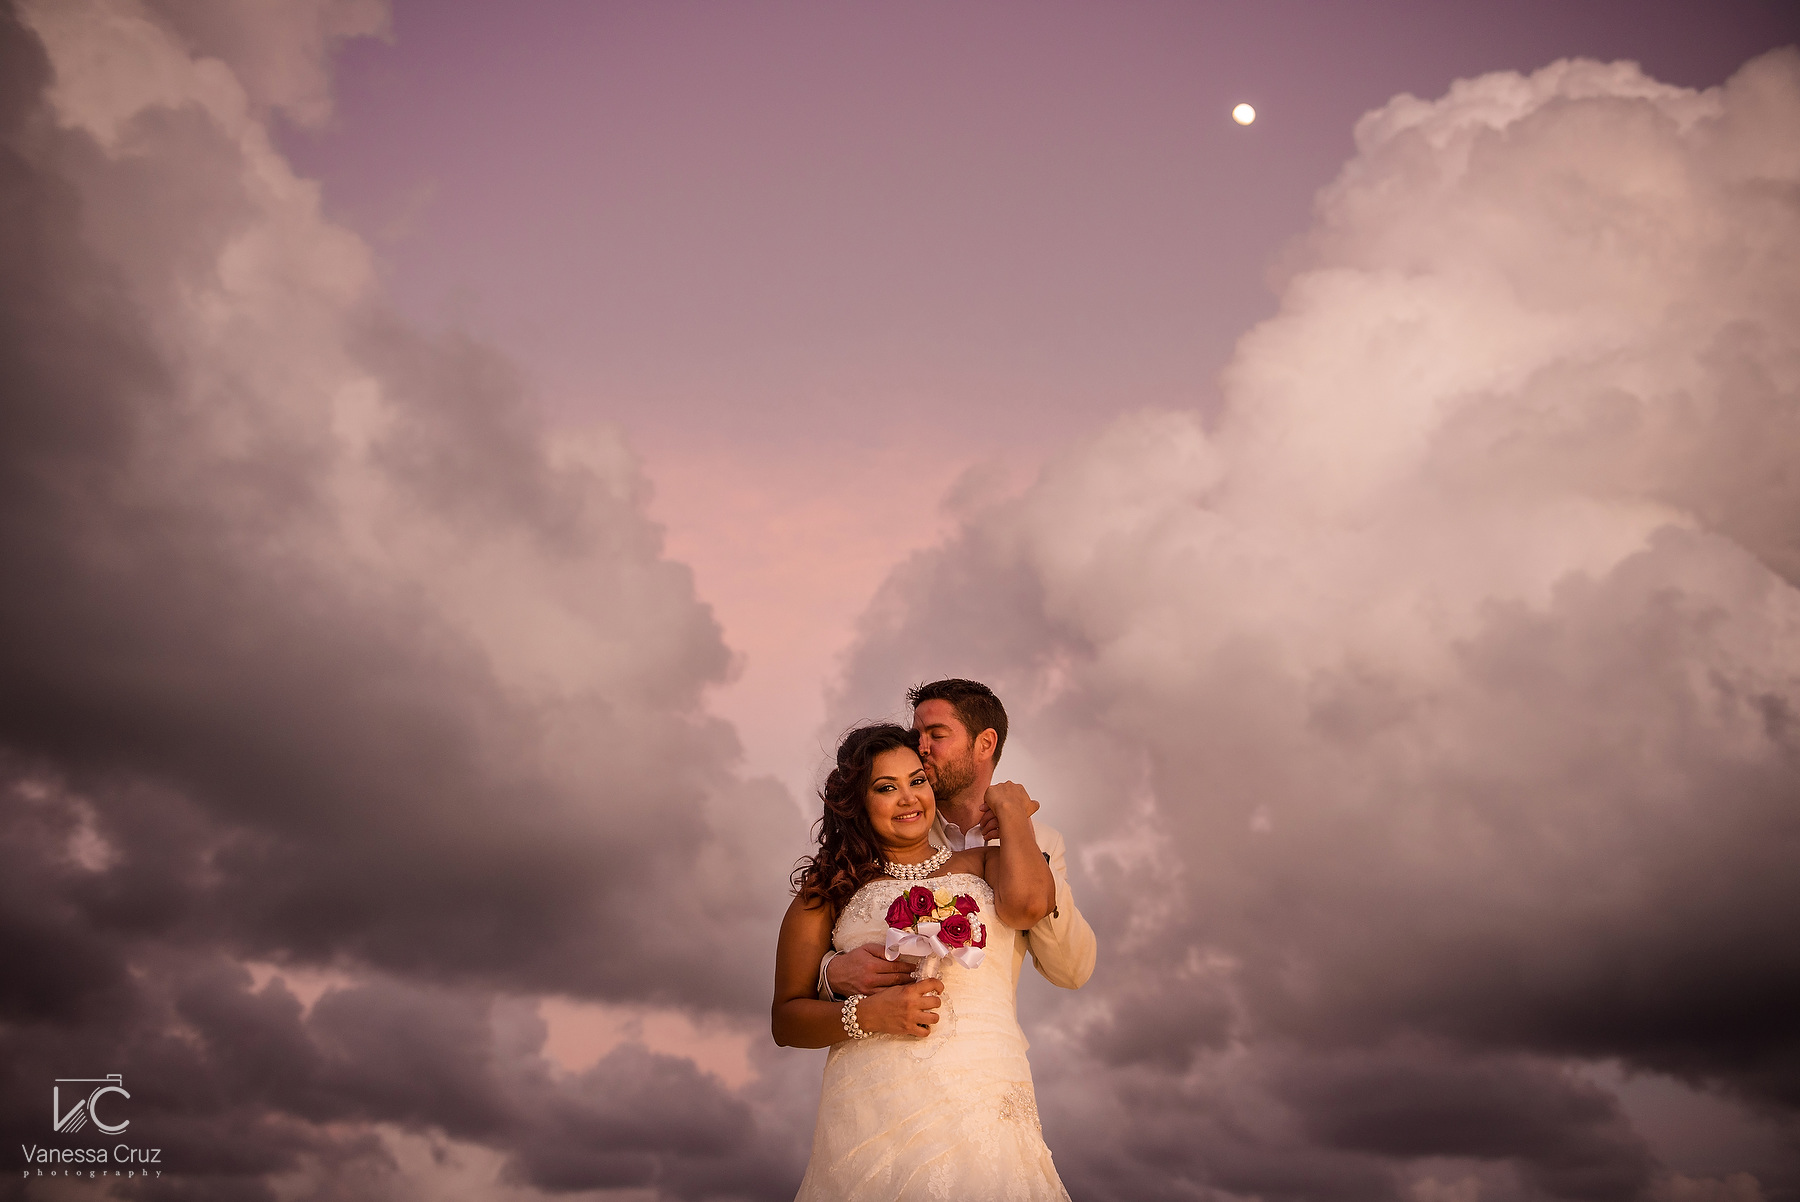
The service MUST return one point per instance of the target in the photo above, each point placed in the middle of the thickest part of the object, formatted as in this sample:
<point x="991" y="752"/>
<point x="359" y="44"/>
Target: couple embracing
<point x="901" y="953"/>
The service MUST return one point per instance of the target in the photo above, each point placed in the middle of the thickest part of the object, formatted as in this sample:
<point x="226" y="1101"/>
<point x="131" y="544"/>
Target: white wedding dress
<point x="949" y="1116"/>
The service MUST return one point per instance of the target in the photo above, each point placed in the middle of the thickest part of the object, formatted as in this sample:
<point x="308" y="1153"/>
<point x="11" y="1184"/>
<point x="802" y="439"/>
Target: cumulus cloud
<point x="320" y="649"/>
<point x="1426" y="723"/>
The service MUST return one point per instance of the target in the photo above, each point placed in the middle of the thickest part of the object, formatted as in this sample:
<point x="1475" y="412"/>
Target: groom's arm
<point x="1063" y="946"/>
<point x="860" y="970"/>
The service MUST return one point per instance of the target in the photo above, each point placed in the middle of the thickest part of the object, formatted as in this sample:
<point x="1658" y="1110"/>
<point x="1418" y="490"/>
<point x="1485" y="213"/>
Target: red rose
<point x="900" y="915"/>
<point x="956" y="930"/>
<point x="965" y="904"/>
<point x="920" y="900"/>
<point x="981" y="942"/>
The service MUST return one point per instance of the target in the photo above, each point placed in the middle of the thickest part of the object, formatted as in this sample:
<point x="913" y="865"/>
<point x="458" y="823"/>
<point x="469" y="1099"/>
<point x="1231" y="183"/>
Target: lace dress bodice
<point x="950" y="1115"/>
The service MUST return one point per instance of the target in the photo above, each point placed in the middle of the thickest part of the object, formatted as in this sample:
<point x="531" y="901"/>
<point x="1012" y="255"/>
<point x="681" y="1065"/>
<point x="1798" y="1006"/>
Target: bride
<point x="927" y="1092"/>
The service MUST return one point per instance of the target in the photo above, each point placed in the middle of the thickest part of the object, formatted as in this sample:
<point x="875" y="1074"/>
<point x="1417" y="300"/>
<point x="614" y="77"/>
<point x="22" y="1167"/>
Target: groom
<point x="962" y="729"/>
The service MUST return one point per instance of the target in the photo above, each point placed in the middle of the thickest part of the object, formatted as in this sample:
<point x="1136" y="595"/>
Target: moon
<point x="1243" y="114"/>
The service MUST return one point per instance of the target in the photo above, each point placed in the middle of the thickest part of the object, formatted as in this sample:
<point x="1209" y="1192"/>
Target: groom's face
<point x="945" y="747"/>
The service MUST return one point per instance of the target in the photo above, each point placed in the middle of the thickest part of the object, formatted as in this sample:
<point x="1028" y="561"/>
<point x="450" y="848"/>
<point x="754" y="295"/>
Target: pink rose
<point x="921" y="900"/>
<point x="965" y="904"/>
<point x="956" y="930"/>
<point x="900" y="915"/>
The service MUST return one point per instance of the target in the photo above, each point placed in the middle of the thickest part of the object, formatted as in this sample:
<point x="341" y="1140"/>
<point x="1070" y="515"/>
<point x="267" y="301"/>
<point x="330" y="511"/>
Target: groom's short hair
<point x="975" y="705"/>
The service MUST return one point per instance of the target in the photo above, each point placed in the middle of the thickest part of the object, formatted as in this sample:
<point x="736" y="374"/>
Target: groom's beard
<point x="950" y="777"/>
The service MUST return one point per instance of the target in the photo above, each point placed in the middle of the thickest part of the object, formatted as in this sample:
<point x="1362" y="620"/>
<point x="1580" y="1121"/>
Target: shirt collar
<point x="948" y="834"/>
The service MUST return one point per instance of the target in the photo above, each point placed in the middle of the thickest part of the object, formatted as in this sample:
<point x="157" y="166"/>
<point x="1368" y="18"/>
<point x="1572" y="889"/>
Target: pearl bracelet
<point x="850" y="1025"/>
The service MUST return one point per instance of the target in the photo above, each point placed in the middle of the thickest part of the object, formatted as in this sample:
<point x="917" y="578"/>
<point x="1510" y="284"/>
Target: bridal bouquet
<point x="933" y="924"/>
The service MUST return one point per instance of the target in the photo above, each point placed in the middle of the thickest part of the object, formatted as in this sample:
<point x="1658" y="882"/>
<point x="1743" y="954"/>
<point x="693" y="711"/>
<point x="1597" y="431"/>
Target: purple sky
<point x="455" y="484"/>
<point x="774" y="224"/>
<point x="820" y="259"/>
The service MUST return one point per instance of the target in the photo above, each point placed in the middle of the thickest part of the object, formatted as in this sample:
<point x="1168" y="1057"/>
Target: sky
<point x="465" y="463"/>
<point x="808" y="253"/>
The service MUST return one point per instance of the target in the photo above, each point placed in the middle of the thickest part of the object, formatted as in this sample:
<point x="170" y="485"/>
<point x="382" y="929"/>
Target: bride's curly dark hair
<point x="848" y="857"/>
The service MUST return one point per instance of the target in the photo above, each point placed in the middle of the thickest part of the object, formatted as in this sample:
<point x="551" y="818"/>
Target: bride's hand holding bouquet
<point x="902" y="1009"/>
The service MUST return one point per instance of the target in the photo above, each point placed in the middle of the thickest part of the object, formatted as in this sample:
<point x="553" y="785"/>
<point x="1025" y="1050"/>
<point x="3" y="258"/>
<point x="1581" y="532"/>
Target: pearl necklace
<point x="917" y="872"/>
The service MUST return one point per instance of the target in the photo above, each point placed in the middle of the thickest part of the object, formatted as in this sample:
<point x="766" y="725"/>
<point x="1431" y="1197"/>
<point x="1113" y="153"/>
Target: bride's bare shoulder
<point x="810" y="911"/>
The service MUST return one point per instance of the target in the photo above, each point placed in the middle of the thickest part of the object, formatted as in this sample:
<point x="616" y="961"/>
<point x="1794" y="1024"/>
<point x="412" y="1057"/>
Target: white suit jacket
<point x="1062" y="946"/>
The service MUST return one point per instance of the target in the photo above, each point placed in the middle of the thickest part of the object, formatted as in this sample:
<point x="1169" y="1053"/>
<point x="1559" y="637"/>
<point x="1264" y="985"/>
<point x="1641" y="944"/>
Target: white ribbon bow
<point x="925" y="943"/>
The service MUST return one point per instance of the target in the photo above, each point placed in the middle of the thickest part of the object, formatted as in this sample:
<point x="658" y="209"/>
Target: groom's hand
<point x="864" y="970"/>
<point x="1004" y="795"/>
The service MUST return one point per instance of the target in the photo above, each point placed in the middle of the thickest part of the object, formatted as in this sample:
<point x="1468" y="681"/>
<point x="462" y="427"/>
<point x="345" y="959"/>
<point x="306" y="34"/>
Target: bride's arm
<point x="1024" y="889"/>
<point x="799" y="1019"/>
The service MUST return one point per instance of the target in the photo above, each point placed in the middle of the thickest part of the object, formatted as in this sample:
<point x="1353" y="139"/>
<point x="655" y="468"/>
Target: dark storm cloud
<point x="1429" y="725"/>
<point x="1568" y="1132"/>
<point x="239" y="1084"/>
<point x="318" y="648"/>
<point x="329" y="659"/>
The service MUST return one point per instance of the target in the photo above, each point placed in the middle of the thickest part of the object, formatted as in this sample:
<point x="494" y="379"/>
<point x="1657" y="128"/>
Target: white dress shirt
<point x="945" y="833"/>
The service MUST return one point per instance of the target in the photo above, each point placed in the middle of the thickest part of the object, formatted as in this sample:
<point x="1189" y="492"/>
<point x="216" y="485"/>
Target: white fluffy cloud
<point x="1431" y="720"/>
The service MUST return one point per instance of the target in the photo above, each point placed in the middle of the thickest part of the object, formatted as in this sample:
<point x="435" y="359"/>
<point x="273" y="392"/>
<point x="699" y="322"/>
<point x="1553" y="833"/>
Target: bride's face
<point x="900" y="803"/>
